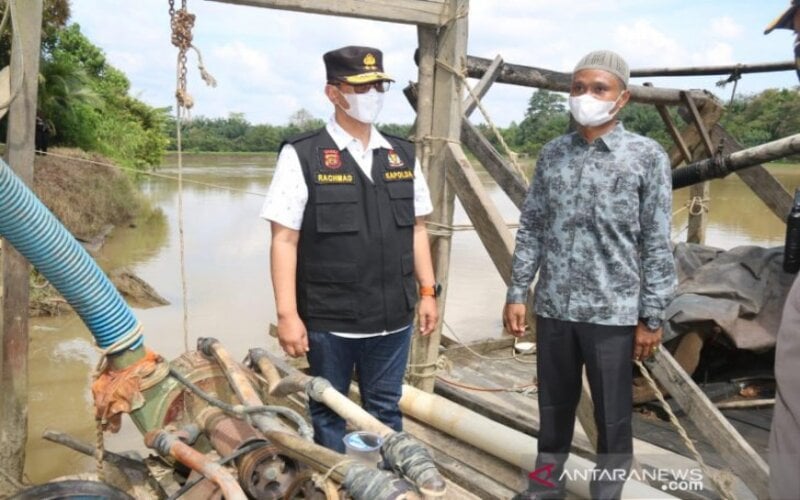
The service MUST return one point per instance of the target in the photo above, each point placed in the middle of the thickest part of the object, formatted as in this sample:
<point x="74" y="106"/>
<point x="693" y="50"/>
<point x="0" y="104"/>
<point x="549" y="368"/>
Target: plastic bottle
<point x="791" y="252"/>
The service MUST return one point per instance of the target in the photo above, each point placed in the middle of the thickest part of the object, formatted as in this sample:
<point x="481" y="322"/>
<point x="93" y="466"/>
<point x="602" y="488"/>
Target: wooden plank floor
<point x="519" y="409"/>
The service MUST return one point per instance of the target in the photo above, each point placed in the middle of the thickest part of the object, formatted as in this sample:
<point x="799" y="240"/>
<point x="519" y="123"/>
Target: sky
<point x="268" y="63"/>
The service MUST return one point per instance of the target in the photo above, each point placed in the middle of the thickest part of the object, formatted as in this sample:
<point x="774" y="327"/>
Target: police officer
<point x="349" y="245"/>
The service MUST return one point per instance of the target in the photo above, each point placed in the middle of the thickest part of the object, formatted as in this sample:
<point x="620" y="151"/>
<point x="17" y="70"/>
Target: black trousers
<point x="563" y="347"/>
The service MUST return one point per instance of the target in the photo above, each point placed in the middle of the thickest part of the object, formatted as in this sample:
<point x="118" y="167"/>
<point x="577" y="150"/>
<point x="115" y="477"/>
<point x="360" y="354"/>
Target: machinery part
<point x="267" y="474"/>
<point x="369" y="483"/>
<point x="263" y="472"/>
<point x="404" y="454"/>
<point x="36" y="233"/>
<point x="246" y="391"/>
<point x="307" y="487"/>
<point x="170" y="445"/>
<point x="72" y="488"/>
<point x="408" y="457"/>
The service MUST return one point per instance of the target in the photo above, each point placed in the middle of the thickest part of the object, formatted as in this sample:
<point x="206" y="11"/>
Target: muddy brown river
<point x="229" y="291"/>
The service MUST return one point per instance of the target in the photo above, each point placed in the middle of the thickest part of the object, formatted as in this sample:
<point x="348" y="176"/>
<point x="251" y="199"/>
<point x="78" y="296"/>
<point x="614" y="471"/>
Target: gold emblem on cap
<point x="369" y="61"/>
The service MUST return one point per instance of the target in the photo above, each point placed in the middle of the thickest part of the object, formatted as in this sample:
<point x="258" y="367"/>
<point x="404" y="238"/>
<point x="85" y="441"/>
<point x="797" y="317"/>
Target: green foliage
<point x="86" y="103"/>
<point x="545" y="119"/>
<point x="768" y="116"/>
<point x="753" y="120"/>
<point x="235" y="133"/>
<point x="398" y="129"/>
<point x="645" y="120"/>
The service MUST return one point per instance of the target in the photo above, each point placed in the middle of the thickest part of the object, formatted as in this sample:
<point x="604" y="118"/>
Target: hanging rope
<point x="698" y="205"/>
<point x="182" y="23"/>
<point x="510" y="154"/>
<point x="734" y="77"/>
<point x="721" y="481"/>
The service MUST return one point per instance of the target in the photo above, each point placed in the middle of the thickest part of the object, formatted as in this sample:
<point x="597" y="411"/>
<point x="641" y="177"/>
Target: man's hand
<point x="428" y="315"/>
<point x="514" y="319"/>
<point x="292" y="336"/>
<point x="645" y="342"/>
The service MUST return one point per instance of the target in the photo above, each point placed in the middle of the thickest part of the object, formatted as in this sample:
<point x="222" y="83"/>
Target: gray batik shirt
<point x="595" y="224"/>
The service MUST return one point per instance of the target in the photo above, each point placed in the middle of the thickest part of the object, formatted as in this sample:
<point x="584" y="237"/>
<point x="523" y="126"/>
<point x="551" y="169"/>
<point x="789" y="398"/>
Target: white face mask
<point x="590" y="111"/>
<point x="364" y="107"/>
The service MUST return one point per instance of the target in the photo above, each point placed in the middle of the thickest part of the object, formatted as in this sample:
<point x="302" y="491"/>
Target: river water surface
<point x="229" y="292"/>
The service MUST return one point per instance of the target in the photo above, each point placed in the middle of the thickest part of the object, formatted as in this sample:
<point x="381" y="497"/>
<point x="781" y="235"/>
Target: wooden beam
<point x="488" y="222"/>
<point x="448" y="45"/>
<point x="420" y="12"/>
<point x="741" y="457"/>
<point x="25" y="49"/>
<point x="712" y="110"/>
<point x="740" y="69"/>
<point x="529" y="76"/>
<point x="483" y="85"/>
<point x="764" y="184"/>
<point x="506" y="177"/>
<point x="699" y="122"/>
<point x="677" y="138"/>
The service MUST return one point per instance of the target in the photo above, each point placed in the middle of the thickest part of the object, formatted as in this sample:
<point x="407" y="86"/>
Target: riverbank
<point x="90" y="196"/>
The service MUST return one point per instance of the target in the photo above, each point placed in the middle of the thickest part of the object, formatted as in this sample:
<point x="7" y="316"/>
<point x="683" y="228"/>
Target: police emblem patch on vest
<point x="394" y="159"/>
<point x="331" y="158"/>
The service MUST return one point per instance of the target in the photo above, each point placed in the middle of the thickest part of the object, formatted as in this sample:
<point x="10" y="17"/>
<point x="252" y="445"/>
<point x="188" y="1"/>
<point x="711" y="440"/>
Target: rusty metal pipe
<point x="237" y="378"/>
<point x="363" y="482"/>
<point x="233" y="372"/>
<point x="168" y="444"/>
<point x="400" y="450"/>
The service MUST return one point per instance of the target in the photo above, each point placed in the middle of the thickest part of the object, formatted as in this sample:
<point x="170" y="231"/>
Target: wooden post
<point x="699" y="193"/>
<point x="741" y="457"/>
<point x="445" y="46"/>
<point x="27" y="24"/>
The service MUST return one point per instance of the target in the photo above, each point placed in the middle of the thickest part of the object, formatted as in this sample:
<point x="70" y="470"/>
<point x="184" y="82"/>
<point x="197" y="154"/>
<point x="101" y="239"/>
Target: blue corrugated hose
<point x="35" y="232"/>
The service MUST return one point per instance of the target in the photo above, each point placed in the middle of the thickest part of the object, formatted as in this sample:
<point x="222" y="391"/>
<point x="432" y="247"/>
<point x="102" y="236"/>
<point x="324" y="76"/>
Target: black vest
<point x="355" y="262"/>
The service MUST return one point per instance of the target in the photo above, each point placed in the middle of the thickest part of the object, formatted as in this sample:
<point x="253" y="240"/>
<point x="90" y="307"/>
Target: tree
<point x="768" y="116"/>
<point x="87" y="102"/>
<point x="545" y="119"/>
<point x="645" y="120"/>
<point x="304" y="121"/>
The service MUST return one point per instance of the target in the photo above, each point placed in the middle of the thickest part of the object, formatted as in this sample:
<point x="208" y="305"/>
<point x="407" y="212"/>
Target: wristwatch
<point x="652" y="323"/>
<point x="430" y="291"/>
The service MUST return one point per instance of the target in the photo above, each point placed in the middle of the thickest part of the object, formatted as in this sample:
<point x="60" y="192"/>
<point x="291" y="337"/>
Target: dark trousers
<point x="379" y="363"/>
<point x="563" y="347"/>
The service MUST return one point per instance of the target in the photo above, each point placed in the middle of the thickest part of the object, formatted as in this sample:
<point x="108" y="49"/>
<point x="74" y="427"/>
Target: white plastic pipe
<point x="503" y="442"/>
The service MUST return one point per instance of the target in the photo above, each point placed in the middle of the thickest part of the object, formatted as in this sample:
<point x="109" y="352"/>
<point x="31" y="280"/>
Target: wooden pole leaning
<point x="741" y="457"/>
<point x="27" y="24"/>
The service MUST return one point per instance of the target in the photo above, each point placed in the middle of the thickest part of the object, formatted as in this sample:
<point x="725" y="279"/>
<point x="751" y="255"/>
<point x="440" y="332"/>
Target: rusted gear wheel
<point x="306" y="488"/>
<point x="266" y="474"/>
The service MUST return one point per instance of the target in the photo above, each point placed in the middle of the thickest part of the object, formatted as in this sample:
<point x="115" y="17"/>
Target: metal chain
<point x="181" y="22"/>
